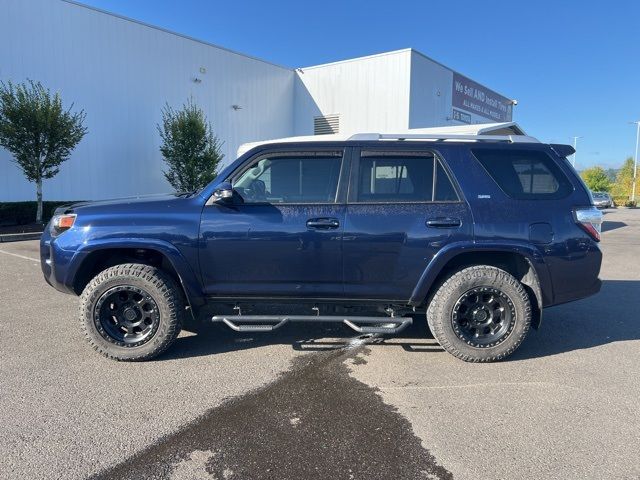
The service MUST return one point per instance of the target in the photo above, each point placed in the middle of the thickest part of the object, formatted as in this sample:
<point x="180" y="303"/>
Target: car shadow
<point x="611" y="225"/>
<point x="610" y="316"/>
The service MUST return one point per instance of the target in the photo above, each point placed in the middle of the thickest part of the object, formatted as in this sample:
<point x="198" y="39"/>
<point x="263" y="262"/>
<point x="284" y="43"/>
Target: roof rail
<point x="507" y="132"/>
<point x="444" y="137"/>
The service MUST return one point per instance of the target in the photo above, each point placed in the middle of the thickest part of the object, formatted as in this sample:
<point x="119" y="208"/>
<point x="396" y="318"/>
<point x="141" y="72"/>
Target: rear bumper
<point x="578" y="295"/>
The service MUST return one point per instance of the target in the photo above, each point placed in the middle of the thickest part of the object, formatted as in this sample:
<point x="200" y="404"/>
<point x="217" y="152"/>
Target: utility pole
<point x="635" y="162"/>
<point x="575" y="145"/>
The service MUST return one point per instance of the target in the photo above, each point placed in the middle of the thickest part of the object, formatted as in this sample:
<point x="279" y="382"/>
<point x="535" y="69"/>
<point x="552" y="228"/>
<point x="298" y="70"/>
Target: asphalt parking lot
<point x="321" y="402"/>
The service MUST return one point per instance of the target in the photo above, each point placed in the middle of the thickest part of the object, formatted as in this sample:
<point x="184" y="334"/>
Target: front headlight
<point x="62" y="223"/>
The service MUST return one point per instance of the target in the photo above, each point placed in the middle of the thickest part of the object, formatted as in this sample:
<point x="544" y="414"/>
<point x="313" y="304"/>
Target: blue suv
<point x="375" y="231"/>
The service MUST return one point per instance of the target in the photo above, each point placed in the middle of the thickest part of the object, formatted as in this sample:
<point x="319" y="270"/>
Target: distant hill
<point x="612" y="173"/>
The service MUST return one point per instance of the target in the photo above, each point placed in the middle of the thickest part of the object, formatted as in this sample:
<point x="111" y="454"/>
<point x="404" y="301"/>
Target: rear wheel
<point x="480" y="314"/>
<point x="131" y="312"/>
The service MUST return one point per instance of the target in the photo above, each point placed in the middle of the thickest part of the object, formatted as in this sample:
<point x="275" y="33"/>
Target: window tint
<point x="291" y="179"/>
<point x="444" y="189"/>
<point x="525" y="174"/>
<point x="402" y="177"/>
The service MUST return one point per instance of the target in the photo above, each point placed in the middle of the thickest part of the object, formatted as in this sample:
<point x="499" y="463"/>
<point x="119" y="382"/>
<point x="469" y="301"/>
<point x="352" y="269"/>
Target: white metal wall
<point x="431" y="95"/>
<point x="122" y="73"/>
<point x="391" y="91"/>
<point x="369" y="93"/>
<point x="431" y="88"/>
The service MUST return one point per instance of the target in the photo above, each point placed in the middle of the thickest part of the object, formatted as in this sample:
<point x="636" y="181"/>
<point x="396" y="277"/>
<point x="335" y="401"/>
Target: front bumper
<point x="56" y="263"/>
<point x="602" y="204"/>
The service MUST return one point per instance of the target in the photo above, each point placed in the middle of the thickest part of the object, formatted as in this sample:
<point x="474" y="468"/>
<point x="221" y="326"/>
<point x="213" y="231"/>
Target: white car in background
<point x="602" y="199"/>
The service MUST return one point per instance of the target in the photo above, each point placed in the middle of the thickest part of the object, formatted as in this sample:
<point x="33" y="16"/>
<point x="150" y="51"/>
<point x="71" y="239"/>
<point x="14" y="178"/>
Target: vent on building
<point x="326" y="124"/>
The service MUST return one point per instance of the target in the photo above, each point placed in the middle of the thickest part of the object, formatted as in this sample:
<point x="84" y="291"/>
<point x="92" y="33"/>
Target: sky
<point x="573" y="66"/>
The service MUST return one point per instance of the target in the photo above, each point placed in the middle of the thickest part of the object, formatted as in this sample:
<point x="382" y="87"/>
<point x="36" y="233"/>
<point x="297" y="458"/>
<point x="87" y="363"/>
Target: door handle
<point x="323" y="223"/>
<point x="444" y="222"/>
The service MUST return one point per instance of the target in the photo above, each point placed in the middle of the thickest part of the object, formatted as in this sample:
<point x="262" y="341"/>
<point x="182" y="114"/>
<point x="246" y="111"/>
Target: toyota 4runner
<point x="477" y="233"/>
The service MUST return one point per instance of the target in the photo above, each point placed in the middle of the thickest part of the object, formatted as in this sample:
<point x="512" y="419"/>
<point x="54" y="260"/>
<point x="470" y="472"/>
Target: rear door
<point x="283" y="236"/>
<point x="403" y="207"/>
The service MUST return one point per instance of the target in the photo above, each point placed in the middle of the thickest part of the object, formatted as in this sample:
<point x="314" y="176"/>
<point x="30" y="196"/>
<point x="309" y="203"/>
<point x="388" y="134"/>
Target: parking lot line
<point x="20" y="256"/>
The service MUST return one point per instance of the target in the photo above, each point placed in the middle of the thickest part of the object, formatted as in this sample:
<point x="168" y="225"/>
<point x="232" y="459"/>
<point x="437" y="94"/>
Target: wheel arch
<point x="522" y="261"/>
<point x="96" y="257"/>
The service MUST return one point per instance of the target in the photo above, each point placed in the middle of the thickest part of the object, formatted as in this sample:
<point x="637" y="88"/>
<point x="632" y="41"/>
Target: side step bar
<point x="269" y="323"/>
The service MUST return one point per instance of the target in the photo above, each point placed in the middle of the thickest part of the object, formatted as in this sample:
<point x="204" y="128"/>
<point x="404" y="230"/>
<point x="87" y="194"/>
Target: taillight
<point x="61" y="223"/>
<point x="590" y="220"/>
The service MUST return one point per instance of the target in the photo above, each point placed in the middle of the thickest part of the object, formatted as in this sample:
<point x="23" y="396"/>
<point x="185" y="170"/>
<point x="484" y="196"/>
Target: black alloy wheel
<point x="480" y="313"/>
<point x="127" y="315"/>
<point x="132" y="311"/>
<point x="483" y="316"/>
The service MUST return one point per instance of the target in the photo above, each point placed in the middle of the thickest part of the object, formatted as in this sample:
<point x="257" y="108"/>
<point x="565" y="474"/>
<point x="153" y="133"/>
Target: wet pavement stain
<point x="315" y="421"/>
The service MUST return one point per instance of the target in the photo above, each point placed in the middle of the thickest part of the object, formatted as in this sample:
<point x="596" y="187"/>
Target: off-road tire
<point x="164" y="291"/>
<point x="441" y="309"/>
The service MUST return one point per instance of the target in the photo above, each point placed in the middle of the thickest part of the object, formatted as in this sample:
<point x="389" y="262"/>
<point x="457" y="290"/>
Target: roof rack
<point x="443" y="137"/>
<point x="507" y="132"/>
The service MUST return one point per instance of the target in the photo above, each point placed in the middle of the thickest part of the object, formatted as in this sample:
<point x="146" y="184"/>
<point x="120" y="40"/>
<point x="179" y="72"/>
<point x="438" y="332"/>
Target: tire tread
<point x="171" y="301"/>
<point x="437" y="318"/>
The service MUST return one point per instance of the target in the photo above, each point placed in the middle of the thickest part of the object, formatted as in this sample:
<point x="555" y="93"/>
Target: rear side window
<point x="525" y="174"/>
<point x="402" y="177"/>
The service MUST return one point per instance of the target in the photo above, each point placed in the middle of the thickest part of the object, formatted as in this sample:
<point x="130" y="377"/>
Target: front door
<point x="283" y="238"/>
<point x="402" y="208"/>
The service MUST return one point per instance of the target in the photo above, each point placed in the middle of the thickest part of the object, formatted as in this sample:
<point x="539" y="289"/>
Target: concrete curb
<point x="17" y="237"/>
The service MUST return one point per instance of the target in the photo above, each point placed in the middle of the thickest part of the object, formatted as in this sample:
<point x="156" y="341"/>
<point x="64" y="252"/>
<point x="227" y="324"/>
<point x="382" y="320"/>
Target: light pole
<point x="575" y="145"/>
<point x="635" y="162"/>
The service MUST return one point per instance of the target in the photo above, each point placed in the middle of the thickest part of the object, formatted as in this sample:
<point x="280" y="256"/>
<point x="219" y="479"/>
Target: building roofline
<point x="356" y="59"/>
<point x="251" y="57"/>
<point x="396" y="52"/>
<point x="171" y="32"/>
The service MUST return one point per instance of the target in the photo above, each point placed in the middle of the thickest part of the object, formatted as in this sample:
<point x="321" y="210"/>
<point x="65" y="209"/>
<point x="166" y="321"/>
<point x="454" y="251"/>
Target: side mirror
<point x="224" y="193"/>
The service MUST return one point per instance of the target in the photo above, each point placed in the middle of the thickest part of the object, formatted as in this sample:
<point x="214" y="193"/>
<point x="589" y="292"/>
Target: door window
<point x="402" y="177"/>
<point x="291" y="178"/>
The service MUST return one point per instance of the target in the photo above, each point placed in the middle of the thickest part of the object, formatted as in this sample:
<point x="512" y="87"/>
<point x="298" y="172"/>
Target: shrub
<point x="620" y="199"/>
<point x="23" y="213"/>
<point x="189" y="147"/>
<point x="596" y="179"/>
<point x="631" y="204"/>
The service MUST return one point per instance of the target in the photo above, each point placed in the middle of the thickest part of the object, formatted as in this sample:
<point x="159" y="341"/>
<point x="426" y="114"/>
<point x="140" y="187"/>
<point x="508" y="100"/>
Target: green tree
<point x="624" y="180"/>
<point x="596" y="179"/>
<point x="189" y="147"/>
<point x="38" y="131"/>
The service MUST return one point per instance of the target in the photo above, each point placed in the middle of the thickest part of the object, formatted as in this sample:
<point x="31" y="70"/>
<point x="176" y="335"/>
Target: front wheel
<point x="131" y="312"/>
<point x="480" y="314"/>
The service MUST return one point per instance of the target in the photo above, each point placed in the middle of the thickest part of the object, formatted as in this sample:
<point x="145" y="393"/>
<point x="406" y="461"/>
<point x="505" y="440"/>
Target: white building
<point x="122" y="72"/>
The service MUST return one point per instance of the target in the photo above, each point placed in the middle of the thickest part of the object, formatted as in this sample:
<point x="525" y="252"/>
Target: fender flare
<point x="443" y="257"/>
<point x="186" y="275"/>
